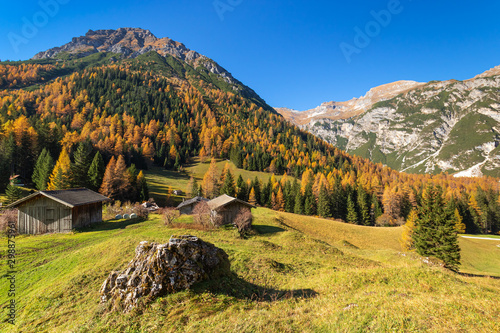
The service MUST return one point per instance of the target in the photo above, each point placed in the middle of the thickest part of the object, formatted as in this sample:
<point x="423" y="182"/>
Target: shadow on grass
<point x="235" y="286"/>
<point x="111" y="225"/>
<point x="267" y="229"/>
<point x="480" y="275"/>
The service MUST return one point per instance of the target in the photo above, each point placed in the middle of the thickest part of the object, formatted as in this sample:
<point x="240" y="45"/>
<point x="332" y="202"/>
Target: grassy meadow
<point x="293" y="274"/>
<point x="160" y="180"/>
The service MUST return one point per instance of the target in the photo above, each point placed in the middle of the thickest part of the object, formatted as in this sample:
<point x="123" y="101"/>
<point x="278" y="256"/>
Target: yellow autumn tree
<point x="406" y="239"/>
<point x="459" y="225"/>
<point x="251" y="198"/>
<point x="59" y="179"/>
<point x="210" y="184"/>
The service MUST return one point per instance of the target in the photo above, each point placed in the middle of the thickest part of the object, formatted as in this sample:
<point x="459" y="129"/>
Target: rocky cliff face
<point x="448" y="126"/>
<point x="132" y="42"/>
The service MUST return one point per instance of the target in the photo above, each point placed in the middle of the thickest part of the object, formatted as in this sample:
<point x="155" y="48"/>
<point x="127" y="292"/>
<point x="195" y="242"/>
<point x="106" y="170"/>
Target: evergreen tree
<point x="324" y="203"/>
<point x="132" y="174"/>
<point x="192" y="188"/>
<point x="80" y="168"/>
<point x="60" y="177"/>
<point x="435" y="234"/>
<point x="242" y="188"/>
<point x="257" y="189"/>
<point x="142" y="187"/>
<point x="42" y="170"/>
<point x="228" y="184"/>
<point x="352" y="215"/>
<point x="13" y="193"/>
<point x="299" y="204"/>
<point x="96" y="172"/>
<point x="309" y="201"/>
<point x="290" y="194"/>
<point x="375" y="209"/>
<point x="364" y="206"/>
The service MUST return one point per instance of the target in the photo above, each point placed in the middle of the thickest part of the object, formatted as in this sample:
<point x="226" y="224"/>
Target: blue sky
<point x="292" y="53"/>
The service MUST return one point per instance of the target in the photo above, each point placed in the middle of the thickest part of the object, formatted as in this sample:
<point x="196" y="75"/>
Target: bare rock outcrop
<point x="161" y="269"/>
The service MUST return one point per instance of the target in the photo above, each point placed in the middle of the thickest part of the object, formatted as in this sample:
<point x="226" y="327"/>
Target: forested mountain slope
<point x="449" y="126"/>
<point x="163" y="108"/>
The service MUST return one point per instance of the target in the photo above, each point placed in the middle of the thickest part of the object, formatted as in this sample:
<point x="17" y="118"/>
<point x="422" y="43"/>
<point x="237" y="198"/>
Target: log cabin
<point x="58" y="211"/>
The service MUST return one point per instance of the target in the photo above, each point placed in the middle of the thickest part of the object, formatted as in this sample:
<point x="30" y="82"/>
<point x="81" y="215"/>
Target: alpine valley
<point x="333" y="242"/>
<point x="449" y="126"/>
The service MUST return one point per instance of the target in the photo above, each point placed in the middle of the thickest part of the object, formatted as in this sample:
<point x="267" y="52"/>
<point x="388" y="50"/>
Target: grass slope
<point x="349" y="279"/>
<point x="161" y="180"/>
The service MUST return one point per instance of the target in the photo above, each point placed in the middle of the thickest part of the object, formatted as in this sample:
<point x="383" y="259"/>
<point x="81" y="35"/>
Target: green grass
<point x="294" y="274"/>
<point x="480" y="256"/>
<point x="161" y="180"/>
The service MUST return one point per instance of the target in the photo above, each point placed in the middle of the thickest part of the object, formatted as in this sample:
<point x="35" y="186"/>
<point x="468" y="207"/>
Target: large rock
<point x="160" y="269"/>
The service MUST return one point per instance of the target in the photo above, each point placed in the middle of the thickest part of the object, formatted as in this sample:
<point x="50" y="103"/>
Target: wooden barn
<point x="187" y="206"/>
<point x="225" y="208"/>
<point x="58" y="211"/>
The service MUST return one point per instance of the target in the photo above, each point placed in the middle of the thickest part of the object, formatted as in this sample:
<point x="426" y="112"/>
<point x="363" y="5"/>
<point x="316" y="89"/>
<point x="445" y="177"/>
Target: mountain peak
<point x="129" y="42"/>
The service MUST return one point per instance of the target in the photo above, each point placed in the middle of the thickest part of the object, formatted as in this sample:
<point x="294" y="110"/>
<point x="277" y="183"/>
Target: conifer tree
<point x="142" y="187"/>
<point x="309" y="201"/>
<point x="210" y="183"/>
<point x="352" y="215"/>
<point x="192" y="188"/>
<point x="324" y="203"/>
<point x="96" y="172"/>
<point x="364" y="208"/>
<point x="228" y="184"/>
<point x="107" y="187"/>
<point x="459" y="225"/>
<point x="43" y="168"/>
<point x="242" y="189"/>
<point x="406" y="240"/>
<point x="257" y="189"/>
<point x="80" y="168"/>
<point x="299" y="204"/>
<point x="13" y="193"/>
<point x="251" y="198"/>
<point x="60" y="177"/>
<point x="280" y="201"/>
<point x="121" y="182"/>
<point x="435" y="234"/>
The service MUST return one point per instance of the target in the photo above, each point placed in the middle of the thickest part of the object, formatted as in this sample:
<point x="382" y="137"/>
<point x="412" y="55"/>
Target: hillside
<point x="449" y="126"/>
<point x="151" y="103"/>
<point x="285" y="280"/>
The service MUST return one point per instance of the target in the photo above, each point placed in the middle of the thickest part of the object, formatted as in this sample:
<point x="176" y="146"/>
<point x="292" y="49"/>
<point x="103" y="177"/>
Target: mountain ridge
<point x="428" y="128"/>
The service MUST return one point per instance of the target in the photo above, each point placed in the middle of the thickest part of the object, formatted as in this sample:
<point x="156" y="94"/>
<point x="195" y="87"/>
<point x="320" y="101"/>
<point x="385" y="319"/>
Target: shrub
<point x="7" y="216"/>
<point x="386" y="220"/>
<point x="169" y="215"/>
<point x="201" y="215"/>
<point x="243" y="221"/>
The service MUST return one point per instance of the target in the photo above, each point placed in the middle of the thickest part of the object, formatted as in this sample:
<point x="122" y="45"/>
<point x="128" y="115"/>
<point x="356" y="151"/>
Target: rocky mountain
<point x="451" y="126"/>
<point x="130" y="43"/>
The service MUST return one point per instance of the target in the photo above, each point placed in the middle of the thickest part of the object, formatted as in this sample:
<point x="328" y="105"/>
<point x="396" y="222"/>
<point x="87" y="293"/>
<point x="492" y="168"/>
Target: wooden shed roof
<point x="225" y="200"/>
<point x="71" y="198"/>
<point x="192" y="201"/>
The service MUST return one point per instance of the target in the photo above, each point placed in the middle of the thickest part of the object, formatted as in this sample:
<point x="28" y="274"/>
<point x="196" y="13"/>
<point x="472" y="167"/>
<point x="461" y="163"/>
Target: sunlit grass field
<point x="160" y="180"/>
<point x="293" y="274"/>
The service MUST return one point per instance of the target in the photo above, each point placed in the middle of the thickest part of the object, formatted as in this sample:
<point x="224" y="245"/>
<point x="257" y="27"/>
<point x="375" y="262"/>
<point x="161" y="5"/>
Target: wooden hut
<point x="58" y="211"/>
<point x="224" y="209"/>
<point x="187" y="206"/>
